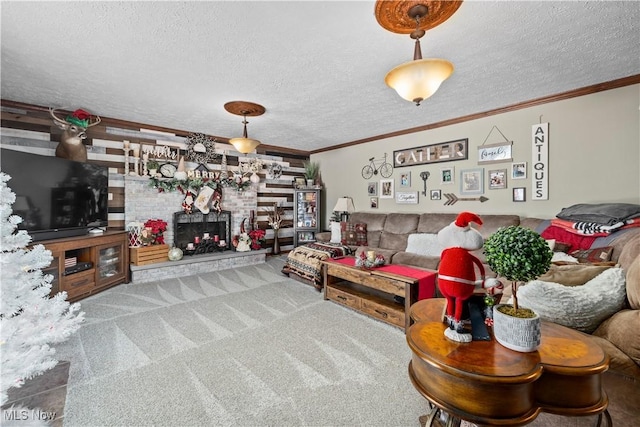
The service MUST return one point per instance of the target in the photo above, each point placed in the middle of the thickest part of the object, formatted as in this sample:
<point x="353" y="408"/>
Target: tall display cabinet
<point x="306" y="216"/>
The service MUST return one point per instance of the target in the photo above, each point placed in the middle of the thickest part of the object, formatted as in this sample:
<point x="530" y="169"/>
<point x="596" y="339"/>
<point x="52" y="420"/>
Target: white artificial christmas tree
<point x="30" y="321"/>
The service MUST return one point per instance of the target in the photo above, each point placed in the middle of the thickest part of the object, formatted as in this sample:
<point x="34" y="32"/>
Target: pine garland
<point x="195" y="184"/>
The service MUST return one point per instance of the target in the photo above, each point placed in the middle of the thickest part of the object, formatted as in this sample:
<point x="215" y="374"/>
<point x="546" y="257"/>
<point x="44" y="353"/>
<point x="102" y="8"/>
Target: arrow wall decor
<point x="452" y="199"/>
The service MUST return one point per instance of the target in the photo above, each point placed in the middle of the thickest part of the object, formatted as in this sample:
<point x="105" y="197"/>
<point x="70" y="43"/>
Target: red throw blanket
<point x="426" y="279"/>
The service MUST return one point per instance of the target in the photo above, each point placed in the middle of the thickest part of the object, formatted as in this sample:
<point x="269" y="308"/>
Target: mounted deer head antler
<point x="74" y="128"/>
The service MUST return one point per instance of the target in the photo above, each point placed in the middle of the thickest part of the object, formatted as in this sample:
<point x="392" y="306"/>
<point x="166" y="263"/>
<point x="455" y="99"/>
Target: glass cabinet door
<point x="110" y="262"/>
<point x="306" y="210"/>
<point x="306" y="216"/>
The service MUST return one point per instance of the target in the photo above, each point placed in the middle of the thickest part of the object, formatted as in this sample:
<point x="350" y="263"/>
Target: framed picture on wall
<point x="446" y="175"/>
<point x="519" y="170"/>
<point x="372" y="188"/>
<point x="386" y="188"/>
<point x="472" y="181"/>
<point x="497" y="179"/>
<point x="407" y="197"/>
<point x="436" y="194"/>
<point x="519" y="194"/>
<point x="405" y="179"/>
<point x="373" y="202"/>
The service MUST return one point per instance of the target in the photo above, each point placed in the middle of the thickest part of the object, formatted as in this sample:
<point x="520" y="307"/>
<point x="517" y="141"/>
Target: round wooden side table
<point x="485" y="383"/>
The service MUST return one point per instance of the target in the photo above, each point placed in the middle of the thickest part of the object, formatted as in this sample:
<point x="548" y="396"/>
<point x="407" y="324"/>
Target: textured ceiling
<point x="317" y="67"/>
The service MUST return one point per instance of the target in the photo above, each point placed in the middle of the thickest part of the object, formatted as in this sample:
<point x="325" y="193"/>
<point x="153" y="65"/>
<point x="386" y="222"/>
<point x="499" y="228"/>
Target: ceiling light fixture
<point x="416" y="80"/>
<point x="242" y="108"/>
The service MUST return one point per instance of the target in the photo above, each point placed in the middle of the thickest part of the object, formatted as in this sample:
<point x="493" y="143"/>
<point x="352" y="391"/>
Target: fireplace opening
<point x="201" y="233"/>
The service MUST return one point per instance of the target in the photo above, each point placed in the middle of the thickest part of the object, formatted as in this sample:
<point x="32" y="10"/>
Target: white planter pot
<point x="516" y="333"/>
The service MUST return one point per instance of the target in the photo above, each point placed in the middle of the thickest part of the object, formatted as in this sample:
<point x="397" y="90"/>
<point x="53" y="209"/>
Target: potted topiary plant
<point x="311" y="170"/>
<point x="152" y="167"/>
<point x="519" y="255"/>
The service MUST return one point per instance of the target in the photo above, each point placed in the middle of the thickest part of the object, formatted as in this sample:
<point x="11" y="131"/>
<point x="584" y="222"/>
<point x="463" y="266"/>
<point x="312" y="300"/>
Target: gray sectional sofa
<point x="390" y="234"/>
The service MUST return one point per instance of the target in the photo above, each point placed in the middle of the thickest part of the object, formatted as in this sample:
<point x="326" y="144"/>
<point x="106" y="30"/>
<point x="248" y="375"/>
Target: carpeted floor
<point x="241" y="347"/>
<point x="246" y="347"/>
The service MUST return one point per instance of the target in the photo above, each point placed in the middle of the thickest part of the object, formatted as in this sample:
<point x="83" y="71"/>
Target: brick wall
<point x="145" y="202"/>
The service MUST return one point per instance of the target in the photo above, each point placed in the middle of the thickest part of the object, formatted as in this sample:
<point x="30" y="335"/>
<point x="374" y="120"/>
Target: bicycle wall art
<point x="377" y="166"/>
<point x="434" y="153"/>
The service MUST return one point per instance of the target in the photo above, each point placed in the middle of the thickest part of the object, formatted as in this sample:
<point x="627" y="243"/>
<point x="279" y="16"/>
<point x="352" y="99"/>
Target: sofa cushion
<point x="397" y="229"/>
<point x="396" y="242"/>
<point x="432" y="223"/>
<point x="491" y="223"/>
<point x="424" y="244"/>
<point x="633" y="284"/>
<point x="593" y="254"/>
<point x="578" y="307"/>
<point x="416" y="260"/>
<point x="572" y="274"/>
<point x="619" y="361"/>
<point x="353" y="234"/>
<point x="616" y="330"/>
<point x="401" y="223"/>
<point x="626" y="248"/>
<point x="375" y="223"/>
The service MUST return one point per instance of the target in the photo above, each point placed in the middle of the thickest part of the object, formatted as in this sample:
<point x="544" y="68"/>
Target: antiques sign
<point x="540" y="161"/>
<point x="434" y="153"/>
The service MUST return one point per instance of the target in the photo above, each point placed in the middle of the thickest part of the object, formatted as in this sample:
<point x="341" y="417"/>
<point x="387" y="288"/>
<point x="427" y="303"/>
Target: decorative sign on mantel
<point x="434" y="153"/>
<point x="540" y="157"/>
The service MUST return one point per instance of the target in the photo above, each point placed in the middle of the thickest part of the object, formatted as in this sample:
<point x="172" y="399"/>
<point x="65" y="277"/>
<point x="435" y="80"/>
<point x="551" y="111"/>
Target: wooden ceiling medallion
<point x="244" y="108"/>
<point x="394" y="16"/>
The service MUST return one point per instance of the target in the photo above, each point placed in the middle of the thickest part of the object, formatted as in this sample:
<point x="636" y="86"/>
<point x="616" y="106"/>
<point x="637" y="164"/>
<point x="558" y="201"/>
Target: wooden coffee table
<point x="371" y="292"/>
<point x="488" y="384"/>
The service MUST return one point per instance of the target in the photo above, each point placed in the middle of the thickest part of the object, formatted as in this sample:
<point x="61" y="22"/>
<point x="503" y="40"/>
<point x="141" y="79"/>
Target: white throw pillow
<point x="562" y="257"/>
<point x="424" y="244"/>
<point x="578" y="307"/>
<point x="336" y="235"/>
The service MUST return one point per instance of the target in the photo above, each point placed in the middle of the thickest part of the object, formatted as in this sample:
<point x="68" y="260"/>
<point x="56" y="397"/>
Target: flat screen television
<point x="56" y="197"/>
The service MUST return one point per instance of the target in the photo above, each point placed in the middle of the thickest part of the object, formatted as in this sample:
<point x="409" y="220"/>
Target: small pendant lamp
<point x="243" y="108"/>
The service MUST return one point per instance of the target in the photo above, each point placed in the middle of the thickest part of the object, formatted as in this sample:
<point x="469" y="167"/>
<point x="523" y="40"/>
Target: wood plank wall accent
<point x="27" y="125"/>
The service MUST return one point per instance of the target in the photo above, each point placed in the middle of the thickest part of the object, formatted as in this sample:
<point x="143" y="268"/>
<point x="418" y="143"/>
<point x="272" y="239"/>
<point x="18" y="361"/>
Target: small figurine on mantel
<point x="187" y="203"/>
<point x="456" y="273"/>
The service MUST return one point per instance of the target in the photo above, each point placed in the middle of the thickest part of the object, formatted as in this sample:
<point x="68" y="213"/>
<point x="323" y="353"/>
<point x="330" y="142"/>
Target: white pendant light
<point x="418" y="79"/>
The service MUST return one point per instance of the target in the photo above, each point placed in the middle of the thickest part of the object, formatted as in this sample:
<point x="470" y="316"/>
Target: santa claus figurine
<point x="457" y="277"/>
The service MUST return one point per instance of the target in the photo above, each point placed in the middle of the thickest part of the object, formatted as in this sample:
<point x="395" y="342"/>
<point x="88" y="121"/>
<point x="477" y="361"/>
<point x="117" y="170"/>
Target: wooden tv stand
<point x="108" y="254"/>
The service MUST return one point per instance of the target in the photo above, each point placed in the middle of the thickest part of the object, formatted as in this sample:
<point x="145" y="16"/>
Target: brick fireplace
<point x="196" y="227"/>
<point x="143" y="202"/>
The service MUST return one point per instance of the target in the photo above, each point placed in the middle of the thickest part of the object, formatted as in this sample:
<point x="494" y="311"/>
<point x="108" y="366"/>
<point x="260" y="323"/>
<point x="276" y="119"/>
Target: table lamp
<point x="344" y="206"/>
